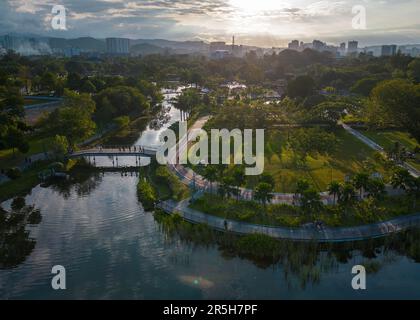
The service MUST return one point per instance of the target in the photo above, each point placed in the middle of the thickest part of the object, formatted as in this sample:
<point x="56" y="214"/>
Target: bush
<point x="178" y="189"/>
<point x="146" y="194"/>
<point x="13" y="173"/>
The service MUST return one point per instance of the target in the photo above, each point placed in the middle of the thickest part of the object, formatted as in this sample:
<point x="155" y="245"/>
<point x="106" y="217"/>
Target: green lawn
<point x="36" y="145"/>
<point x="350" y="157"/>
<point x="387" y="139"/>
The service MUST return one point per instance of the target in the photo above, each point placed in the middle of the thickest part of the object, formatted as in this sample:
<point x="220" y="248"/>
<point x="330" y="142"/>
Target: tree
<point x="60" y="146"/>
<point x="334" y="190"/>
<point x="396" y="102"/>
<point x="122" y="121"/>
<point x="310" y="201"/>
<point x="311" y="141"/>
<point x="414" y="70"/>
<point x="16" y="139"/>
<point x="267" y="178"/>
<point x="210" y="174"/>
<point x="263" y="193"/>
<point x="376" y="189"/>
<point x="361" y="182"/>
<point x="74" y="119"/>
<point x="364" y="86"/>
<point x="302" y="86"/>
<point x="226" y="188"/>
<point x="87" y="86"/>
<point x="120" y="101"/>
<point x="48" y="81"/>
<point x="347" y="196"/>
<point x="238" y="176"/>
<point x="330" y="112"/>
<point x="401" y="179"/>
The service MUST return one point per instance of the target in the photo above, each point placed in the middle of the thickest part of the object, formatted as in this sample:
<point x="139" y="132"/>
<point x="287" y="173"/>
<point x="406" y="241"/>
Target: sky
<point x="266" y="23"/>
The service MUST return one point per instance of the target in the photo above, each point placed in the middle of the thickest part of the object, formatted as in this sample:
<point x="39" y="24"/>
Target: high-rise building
<point x="10" y="42"/>
<point x="118" y="46"/>
<point x="294" y="45"/>
<point x="318" y="45"/>
<point x="353" y="47"/>
<point x="388" y="50"/>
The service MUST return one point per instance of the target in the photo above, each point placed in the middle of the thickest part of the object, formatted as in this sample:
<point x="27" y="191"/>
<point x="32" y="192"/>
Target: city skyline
<point x="267" y="23"/>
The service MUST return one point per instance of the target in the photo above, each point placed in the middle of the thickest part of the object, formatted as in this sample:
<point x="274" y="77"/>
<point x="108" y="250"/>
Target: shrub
<point x="146" y="194"/>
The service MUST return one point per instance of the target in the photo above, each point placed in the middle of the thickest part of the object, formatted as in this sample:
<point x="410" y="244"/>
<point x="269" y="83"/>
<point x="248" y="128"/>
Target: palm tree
<point x="239" y="179"/>
<point x="401" y="179"/>
<point x="361" y="182"/>
<point x="376" y="189"/>
<point x="334" y="190"/>
<point x="347" y="196"/>
<point x="301" y="186"/>
<point x="310" y="201"/>
<point x="210" y="174"/>
<point x="267" y="178"/>
<point x="263" y="192"/>
<point x="226" y="189"/>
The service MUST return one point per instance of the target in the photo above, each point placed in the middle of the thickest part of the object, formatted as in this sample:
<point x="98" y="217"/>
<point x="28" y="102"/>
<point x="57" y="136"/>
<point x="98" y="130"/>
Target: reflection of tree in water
<point x="303" y="263"/>
<point x="82" y="181"/>
<point x="161" y="119"/>
<point x="15" y="243"/>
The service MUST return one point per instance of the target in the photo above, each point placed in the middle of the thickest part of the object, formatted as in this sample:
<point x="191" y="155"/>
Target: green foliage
<point x="59" y="146"/>
<point x="147" y="195"/>
<point x="312" y="141"/>
<point x="263" y="192"/>
<point x="122" y="121"/>
<point x="120" y="101"/>
<point x="396" y="102"/>
<point x="302" y="86"/>
<point x="178" y="189"/>
<point x="74" y="119"/>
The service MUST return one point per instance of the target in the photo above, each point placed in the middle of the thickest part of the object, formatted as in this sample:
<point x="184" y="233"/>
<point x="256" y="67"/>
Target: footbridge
<point x="132" y="151"/>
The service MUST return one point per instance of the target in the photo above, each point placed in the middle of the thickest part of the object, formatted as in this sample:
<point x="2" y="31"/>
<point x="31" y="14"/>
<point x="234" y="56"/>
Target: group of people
<point x="129" y="149"/>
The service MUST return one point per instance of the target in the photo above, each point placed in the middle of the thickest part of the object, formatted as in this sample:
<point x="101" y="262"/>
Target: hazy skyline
<point x="262" y="22"/>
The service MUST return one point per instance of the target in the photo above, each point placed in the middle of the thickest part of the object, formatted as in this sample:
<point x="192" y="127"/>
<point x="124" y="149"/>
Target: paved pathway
<point x="413" y="171"/>
<point x="309" y="233"/>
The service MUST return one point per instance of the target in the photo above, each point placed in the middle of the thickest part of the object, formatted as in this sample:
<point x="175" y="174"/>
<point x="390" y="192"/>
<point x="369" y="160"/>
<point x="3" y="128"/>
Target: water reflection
<point x="302" y="264"/>
<point x="82" y="181"/>
<point x="15" y="241"/>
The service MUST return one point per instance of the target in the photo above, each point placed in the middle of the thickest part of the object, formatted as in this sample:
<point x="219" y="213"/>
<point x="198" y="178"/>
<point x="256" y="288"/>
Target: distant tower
<point x="233" y="42"/>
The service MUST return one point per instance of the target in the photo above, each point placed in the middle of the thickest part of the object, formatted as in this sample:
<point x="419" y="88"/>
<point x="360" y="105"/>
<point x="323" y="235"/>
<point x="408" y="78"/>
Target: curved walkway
<point x="326" y="234"/>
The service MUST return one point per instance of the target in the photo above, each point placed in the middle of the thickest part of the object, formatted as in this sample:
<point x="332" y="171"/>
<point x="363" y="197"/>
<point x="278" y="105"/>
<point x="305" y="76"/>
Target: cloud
<point x="209" y="19"/>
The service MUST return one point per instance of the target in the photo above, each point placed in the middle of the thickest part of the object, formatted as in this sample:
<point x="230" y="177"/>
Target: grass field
<point x="387" y="139"/>
<point x="36" y="145"/>
<point x="350" y="156"/>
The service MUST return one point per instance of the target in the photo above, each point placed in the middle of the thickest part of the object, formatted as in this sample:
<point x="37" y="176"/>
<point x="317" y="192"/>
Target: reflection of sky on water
<point x="111" y="248"/>
<point x="149" y="137"/>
